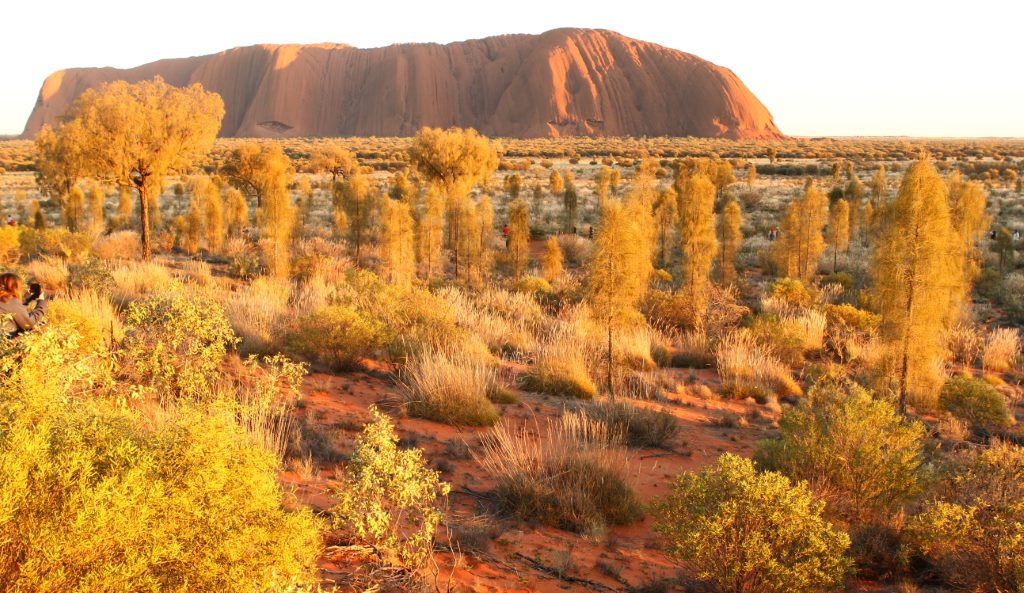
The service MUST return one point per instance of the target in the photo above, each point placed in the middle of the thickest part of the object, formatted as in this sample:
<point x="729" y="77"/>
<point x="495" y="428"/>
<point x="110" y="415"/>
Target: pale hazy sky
<point x="822" y="68"/>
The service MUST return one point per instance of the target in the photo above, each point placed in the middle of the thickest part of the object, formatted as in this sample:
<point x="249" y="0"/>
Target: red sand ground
<point x="526" y="557"/>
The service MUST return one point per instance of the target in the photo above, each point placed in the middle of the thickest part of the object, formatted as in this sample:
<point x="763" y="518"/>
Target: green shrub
<point x="97" y="498"/>
<point x="66" y="244"/>
<point x="792" y="293"/>
<point x="389" y="498"/>
<point x="10" y="245"/>
<point x="335" y="335"/>
<point x="973" y="530"/>
<point x="975" y="401"/>
<point x="449" y="387"/>
<point x="638" y="426"/>
<point x="534" y="285"/>
<point x="174" y="344"/>
<point x="755" y="533"/>
<point x="855" y="451"/>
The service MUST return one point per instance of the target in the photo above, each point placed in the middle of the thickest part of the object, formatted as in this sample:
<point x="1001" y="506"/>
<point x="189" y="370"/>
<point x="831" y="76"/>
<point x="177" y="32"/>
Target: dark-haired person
<point x="15" y="316"/>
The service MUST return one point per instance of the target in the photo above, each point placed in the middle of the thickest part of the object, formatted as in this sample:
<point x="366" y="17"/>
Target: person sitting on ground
<point x="15" y="315"/>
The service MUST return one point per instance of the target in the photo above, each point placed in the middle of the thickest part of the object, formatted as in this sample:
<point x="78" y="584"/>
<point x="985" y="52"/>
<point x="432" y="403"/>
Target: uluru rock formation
<point x="566" y="82"/>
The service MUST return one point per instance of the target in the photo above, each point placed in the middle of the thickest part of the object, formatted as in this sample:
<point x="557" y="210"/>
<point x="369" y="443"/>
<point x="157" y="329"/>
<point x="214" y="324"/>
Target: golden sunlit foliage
<point x="917" y="268"/>
<point x="838" y="229"/>
<point x="800" y="244"/>
<point x="551" y="262"/>
<point x="396" y="244"/>
<point x="136" y="134"/>
<point x="699" y="243"/>
<point x="619" y="268"/>
<point x="730" y="237"/>
<point x="518" y="237"/>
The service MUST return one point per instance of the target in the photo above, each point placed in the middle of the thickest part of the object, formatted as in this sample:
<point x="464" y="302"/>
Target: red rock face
<point x="566" y="82"/>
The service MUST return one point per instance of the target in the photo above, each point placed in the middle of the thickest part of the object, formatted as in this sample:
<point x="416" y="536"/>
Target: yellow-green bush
<point x="389" y="498"/>
<point x="757" y="533"/>
<point x="63" y="243"/>
<point x="976" y="402"/>
<point x="534" y="285"/>
<point x="335" y="335"/>
<point x="788" y="293"/>
<point x="174" y="344"/>
<point x="10" y="245"/>
<point x="855" y="451"/>
<point x="96" y="498"/>
<point x="973" y="530"/>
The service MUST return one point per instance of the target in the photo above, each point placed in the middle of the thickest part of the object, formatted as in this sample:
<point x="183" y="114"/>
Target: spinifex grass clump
<point x="561" y="368"/>
<point x="573" y="476"/>
<point x="451" y="387"/>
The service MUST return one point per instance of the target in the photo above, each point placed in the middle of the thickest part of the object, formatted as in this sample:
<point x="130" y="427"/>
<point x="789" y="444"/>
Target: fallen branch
<point x="593" y="585"/>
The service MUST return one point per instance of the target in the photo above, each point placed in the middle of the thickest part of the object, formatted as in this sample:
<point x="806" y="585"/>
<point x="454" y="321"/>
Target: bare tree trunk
<point x="611" y="388"/>
<point x="904" y="371"/>
<point x="147" y="247"/>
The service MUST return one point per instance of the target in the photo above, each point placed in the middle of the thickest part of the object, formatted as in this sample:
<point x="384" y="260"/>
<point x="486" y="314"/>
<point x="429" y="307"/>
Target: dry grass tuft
<point x="1002" y="350"/>
<point x="748" y="368"/>
<point x="119" y="245"/>
<point x="50" y="272"/>
<point x="256" y="312"/>
<point x="135" y="280"/>
<point x="572" y="478"/>
<point x="447" y="387"/>
<point x="562" y="368"/>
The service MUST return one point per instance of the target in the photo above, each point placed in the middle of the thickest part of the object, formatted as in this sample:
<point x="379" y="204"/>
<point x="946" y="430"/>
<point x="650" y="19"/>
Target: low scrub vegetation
<point x="973" y="528"/>
<point x="389" y="499"/>
<point x="562" y="367"/>
<point x="101" y="499"/>
<point x="852" y="449"/>
<point x="637" y="426"/>
<point x="448" y="387"/>
<point x="573" y="478"/>
<point x="976" y="402"/>
<point x="336" y="335"/>
<point x="744" y="531"/>
<point x="749" y="369"/>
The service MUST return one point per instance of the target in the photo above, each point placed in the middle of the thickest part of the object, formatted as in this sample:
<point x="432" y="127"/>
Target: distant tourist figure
<point x="1016" y="235"/>
<point x="11" y="221"/>
<point x="504" y="231"/>
<point x="992" y="234"/>
<point x="773" y="234"/>
<point x="14" y="302"/>
<point x="590" y="232"/>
